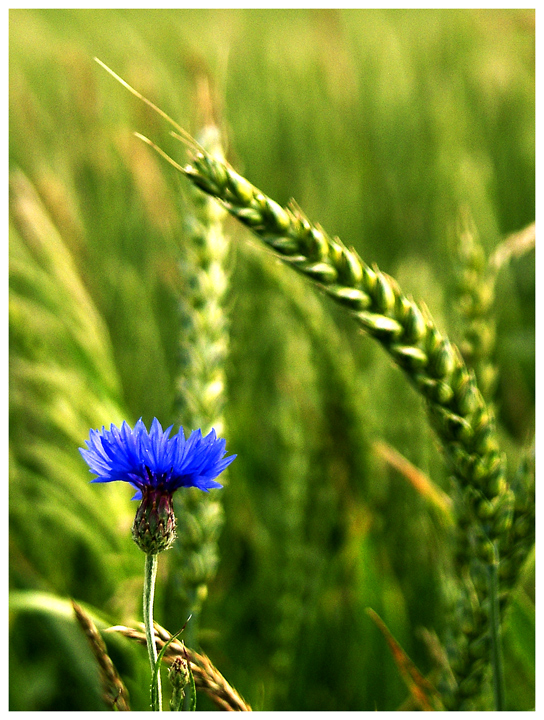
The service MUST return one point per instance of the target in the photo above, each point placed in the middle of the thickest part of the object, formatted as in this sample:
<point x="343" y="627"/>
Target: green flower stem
<point x="191" y="632"/>
<point x="495" y="631"/>
<point x="150" y="573"/>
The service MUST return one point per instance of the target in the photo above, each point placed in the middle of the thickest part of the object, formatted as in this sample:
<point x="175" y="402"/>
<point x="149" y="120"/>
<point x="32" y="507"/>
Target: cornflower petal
<point x="157" y="446"/>
<point x="154" y="459"/>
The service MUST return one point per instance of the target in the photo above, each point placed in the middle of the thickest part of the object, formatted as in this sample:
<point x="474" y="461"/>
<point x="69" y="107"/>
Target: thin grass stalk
<point x="515" y="245"/>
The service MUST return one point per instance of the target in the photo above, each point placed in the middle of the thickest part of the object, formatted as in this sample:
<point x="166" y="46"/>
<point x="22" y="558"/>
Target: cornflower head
<point x="156" y="465"/>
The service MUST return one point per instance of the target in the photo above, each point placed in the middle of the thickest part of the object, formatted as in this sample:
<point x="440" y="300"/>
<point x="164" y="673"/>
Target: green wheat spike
<point x="475" y="289"/>
<point x="200" y="386"/>
<point x="521" y="538"/>
<point x="456" y="408"/>
<point x="114" y="692"/>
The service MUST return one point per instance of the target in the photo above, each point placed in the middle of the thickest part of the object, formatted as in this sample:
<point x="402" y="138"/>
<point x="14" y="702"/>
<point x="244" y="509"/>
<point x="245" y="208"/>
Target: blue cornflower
<point x="156" y="465"/>
<point x="154" y="459"/>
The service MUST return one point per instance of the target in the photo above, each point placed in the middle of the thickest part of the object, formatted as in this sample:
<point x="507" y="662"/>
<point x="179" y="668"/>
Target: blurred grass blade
<point x="423" y="692"/>
<point x="45" y="279"/>
<point x="440" y="500"/>
<point x="53" y="617"/>
<point x="515" y="245"/>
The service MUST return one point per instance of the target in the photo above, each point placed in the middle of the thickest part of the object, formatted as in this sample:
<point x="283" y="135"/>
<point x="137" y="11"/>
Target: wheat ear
<point x="475" y="281"/>
<point x="207" y="677"/>
<point x="475" y="289"/>
<point x="456" y="408"/>
<point x="434" y="366"/>
<point x="114" y="692"/>
<point x="200" y="386"/>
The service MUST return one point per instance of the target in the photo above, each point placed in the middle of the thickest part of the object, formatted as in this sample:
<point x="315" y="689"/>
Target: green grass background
<point x="381" y="125"/>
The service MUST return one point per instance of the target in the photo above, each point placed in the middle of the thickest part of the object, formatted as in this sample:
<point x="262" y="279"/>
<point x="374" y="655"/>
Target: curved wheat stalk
<point x="207" y="677"/>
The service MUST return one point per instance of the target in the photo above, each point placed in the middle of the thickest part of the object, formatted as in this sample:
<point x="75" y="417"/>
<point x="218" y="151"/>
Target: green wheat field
<point x="409" y="135"/>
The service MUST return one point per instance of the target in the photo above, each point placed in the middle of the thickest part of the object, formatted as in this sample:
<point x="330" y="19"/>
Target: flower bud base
<point x="154" y="528"/>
